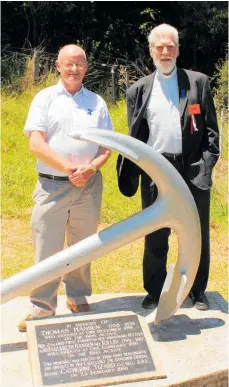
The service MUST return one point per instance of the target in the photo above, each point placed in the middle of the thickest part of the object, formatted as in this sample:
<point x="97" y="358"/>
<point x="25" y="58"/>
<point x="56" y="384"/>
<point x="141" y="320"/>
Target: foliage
<point x="113" y="34"/>
<point x="13" y="66"/>
<point x="221" y="90"/>
<point x="203" y="38"/>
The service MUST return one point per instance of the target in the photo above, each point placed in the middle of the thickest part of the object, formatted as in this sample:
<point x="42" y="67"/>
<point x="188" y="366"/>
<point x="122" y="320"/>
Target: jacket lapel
<point x="147" y="89"/>
<point x="184" y="88"/>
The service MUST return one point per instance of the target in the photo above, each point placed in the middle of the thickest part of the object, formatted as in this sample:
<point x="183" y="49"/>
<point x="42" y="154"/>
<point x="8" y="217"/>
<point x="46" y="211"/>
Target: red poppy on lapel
<point x="194" y="109"/>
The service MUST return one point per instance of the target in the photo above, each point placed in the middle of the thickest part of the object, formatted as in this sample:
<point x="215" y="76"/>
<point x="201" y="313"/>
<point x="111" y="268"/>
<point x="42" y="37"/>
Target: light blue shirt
<point x="162" y="114"/>
<point x="57" y="113"/>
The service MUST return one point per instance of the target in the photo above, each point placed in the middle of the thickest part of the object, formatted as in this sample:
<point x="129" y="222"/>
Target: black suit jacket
<point x="200" y="149"/>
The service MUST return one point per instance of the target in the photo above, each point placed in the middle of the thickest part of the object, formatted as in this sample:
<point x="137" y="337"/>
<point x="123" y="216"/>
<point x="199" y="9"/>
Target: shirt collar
<point x="61" y="89"/>
<point x="164" y="76"/>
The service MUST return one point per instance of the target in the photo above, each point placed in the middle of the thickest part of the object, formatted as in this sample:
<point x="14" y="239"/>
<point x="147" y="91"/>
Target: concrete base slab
<point x="193" y="345"/>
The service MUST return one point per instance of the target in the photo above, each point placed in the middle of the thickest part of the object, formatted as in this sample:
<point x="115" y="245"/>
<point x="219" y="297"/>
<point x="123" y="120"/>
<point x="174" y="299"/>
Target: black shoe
<point x="199" y="300"/>
<point x="150" y="301"/>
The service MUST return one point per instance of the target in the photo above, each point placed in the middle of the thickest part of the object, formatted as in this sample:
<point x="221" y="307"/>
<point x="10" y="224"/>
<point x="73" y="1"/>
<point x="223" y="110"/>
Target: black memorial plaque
<point x="92" y="349"/>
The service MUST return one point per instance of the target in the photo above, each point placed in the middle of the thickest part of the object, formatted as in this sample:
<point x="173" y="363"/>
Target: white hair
<point x="162" y="28"/>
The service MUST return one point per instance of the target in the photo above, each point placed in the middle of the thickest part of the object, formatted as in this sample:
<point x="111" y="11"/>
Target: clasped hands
<point x="80" y="174"/>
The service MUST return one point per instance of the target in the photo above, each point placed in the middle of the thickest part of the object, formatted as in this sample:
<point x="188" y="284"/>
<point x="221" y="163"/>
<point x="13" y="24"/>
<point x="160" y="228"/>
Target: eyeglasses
<point x="170" y="48"/>
<point x="71" y="65"/>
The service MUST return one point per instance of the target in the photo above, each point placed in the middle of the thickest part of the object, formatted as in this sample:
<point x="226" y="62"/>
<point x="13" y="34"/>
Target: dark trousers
<point x="156" y="243"/>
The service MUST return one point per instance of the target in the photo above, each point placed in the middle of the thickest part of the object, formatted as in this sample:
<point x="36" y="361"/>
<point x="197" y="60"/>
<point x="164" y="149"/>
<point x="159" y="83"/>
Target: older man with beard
<point x="172" y="110"/>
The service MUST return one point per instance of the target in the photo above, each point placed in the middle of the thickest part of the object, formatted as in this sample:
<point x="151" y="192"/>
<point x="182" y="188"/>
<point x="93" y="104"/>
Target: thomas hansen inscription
<point x="92" y="349"/>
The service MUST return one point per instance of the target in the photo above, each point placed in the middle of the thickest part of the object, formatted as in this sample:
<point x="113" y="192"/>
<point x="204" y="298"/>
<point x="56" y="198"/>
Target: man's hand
<point x="80" y="175"/>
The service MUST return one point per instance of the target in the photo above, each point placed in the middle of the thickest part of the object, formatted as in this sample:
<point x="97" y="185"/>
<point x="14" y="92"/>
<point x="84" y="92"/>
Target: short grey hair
<point x="161" y="28"/>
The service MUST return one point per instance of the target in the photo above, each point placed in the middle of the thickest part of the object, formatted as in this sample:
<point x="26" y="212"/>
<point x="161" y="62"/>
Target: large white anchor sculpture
<point x="174" y="208"/>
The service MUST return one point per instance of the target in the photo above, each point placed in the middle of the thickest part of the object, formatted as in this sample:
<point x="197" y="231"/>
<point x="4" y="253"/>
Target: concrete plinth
<point x="193" y="345"/>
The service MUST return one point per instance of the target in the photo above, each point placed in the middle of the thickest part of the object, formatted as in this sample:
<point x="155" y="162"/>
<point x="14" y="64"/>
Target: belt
<point x="51" y="177"/>
<point x="173" y="156"/>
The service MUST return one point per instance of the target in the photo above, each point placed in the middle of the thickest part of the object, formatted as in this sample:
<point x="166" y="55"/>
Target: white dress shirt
<point x="162" y="114"/>
<point x="57" y="113"/>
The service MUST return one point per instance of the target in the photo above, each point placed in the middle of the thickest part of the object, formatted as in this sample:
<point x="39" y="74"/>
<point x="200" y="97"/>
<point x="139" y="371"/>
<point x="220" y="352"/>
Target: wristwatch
<point x="94" y="168"/>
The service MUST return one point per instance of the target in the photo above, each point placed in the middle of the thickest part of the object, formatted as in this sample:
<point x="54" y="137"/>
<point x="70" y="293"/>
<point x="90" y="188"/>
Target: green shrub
<point x="221" y="90"/>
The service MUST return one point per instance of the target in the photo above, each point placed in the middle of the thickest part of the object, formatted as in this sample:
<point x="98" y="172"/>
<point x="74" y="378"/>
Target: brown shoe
<point x="22" y="324"/>
<point x="78" y="308"/>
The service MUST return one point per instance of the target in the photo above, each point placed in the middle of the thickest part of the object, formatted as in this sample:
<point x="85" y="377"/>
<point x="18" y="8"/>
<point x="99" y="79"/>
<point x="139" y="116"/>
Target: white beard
<point x="165" y="68"/>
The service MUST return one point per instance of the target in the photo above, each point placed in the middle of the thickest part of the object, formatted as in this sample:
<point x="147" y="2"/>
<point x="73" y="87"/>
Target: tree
<point x="203" y="39"/>
<point x="111" y="31"/>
